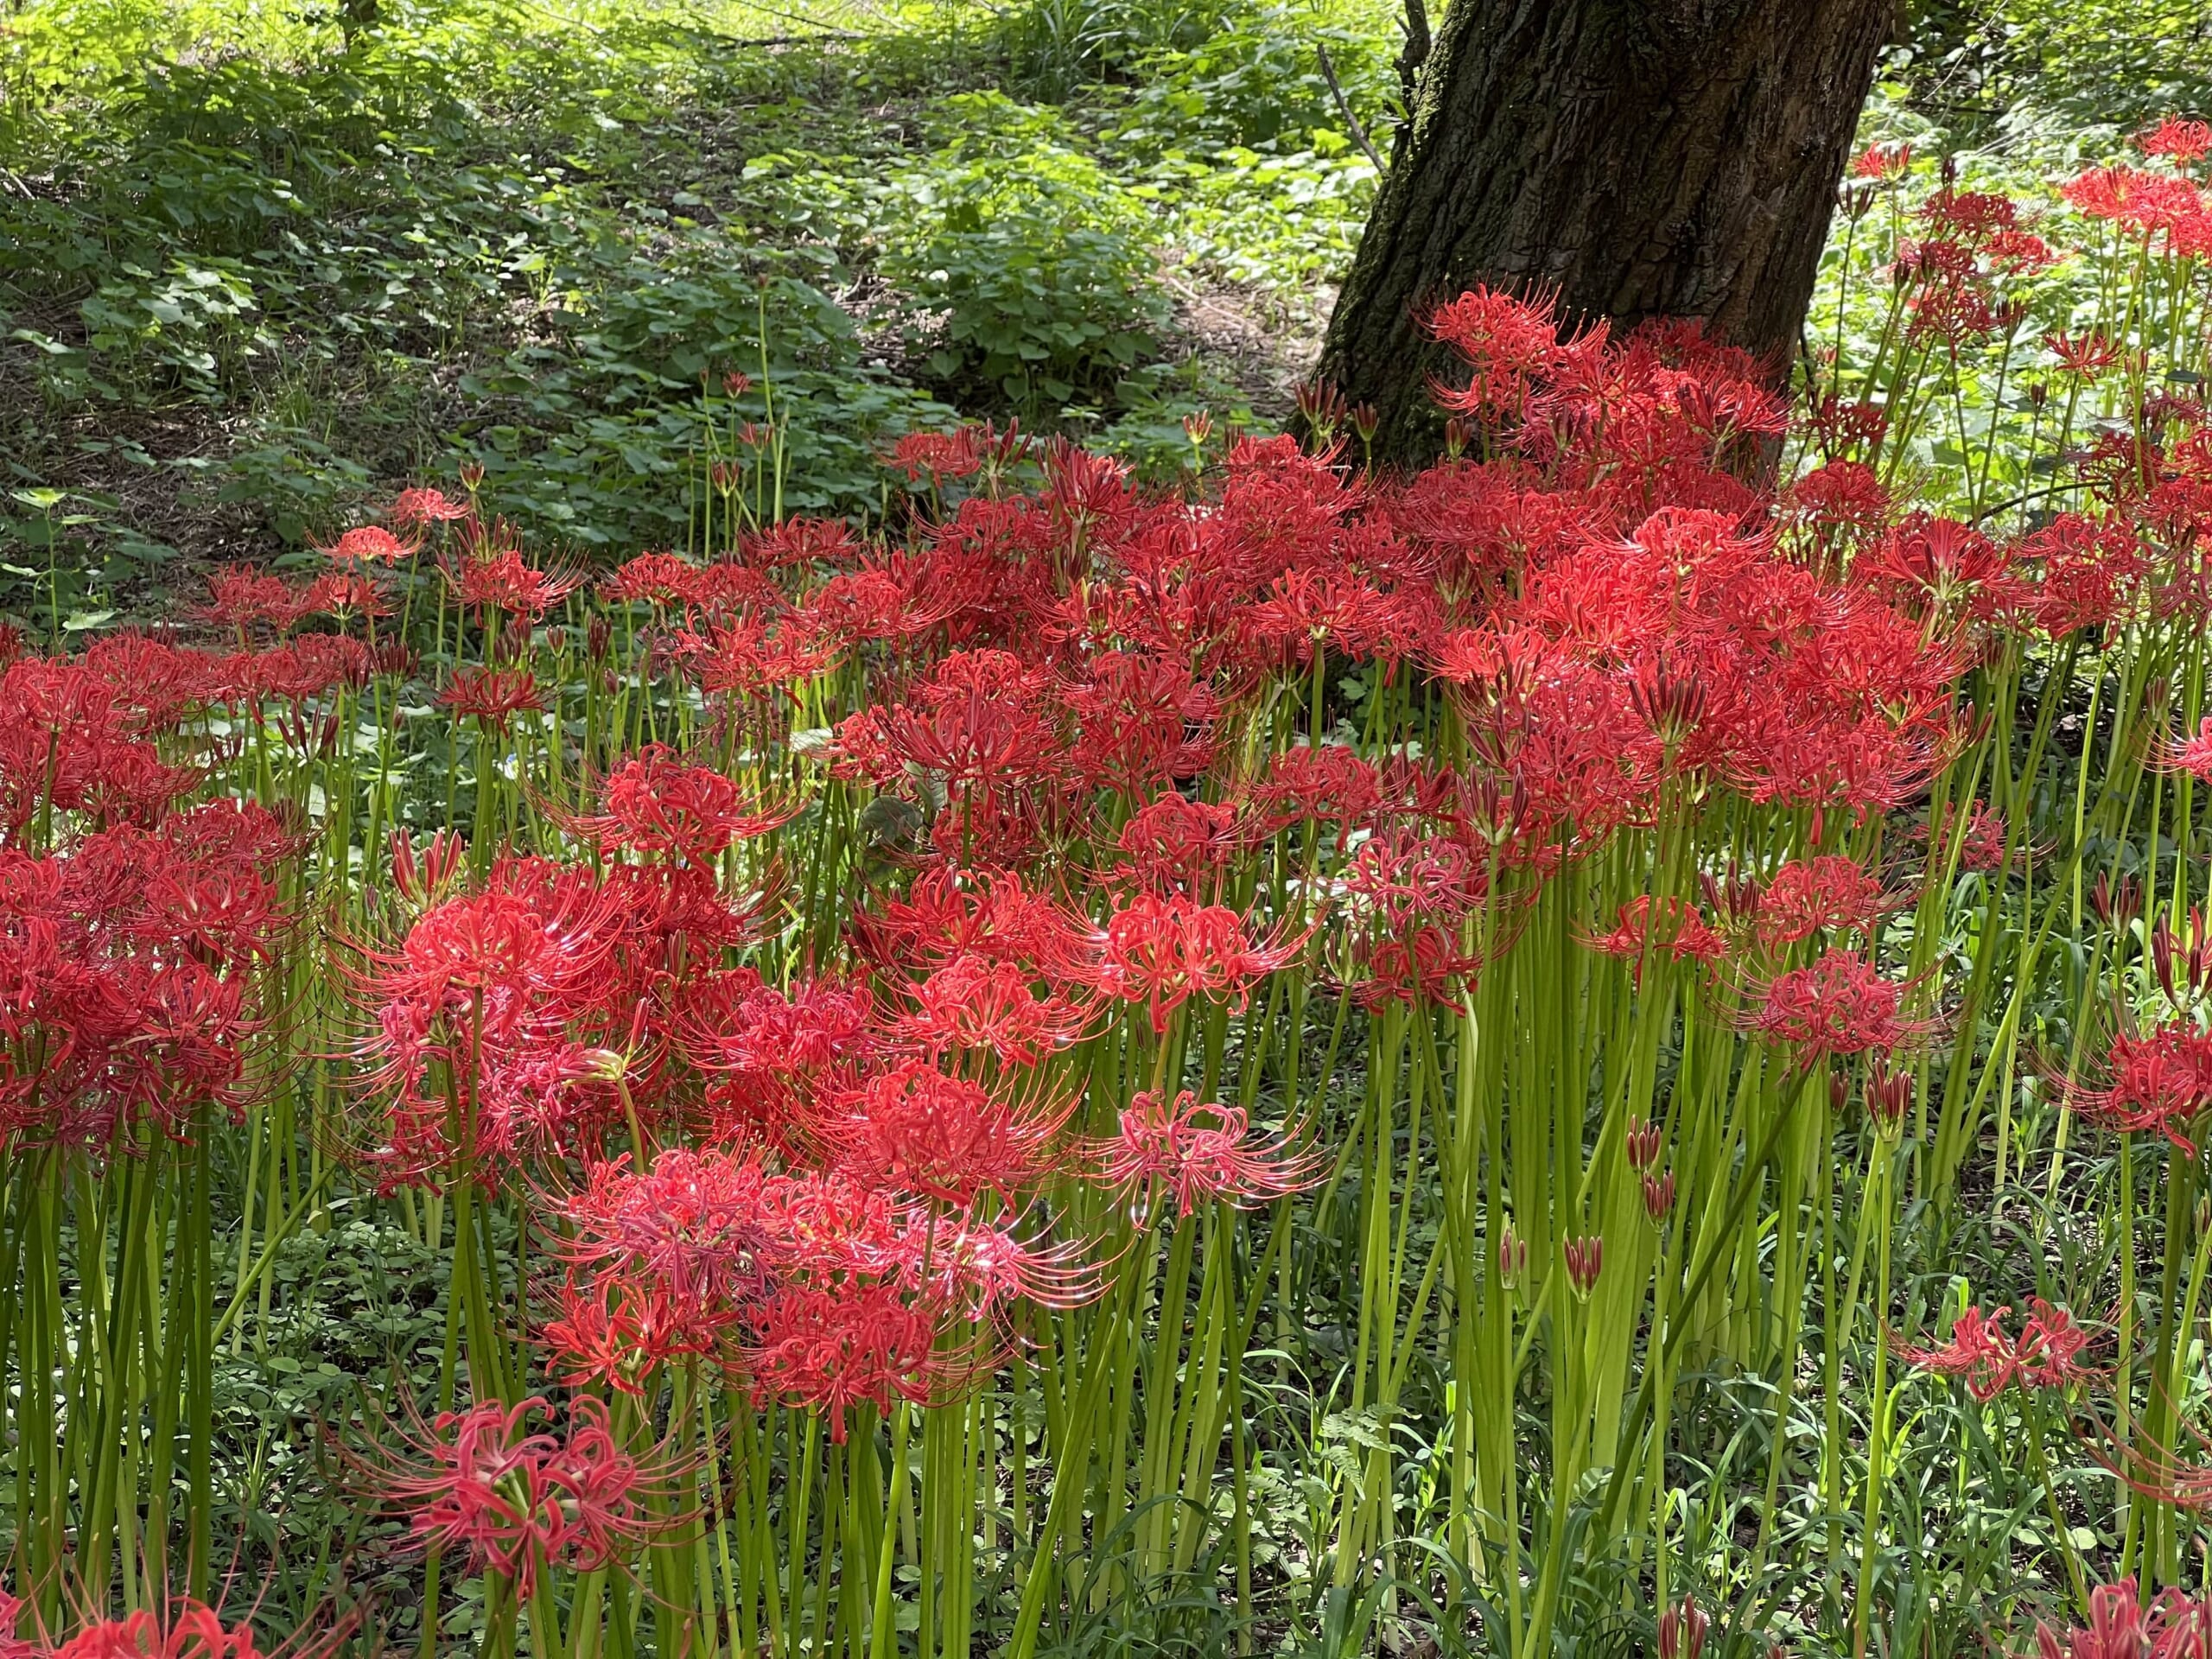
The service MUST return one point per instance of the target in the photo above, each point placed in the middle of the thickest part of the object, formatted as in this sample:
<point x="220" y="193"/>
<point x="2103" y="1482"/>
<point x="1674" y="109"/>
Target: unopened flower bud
<point x="1585" y="1260"/>
<point x="1643" y="1144"/>
<point x="1889" y="1096"/>
<point x="1659" y="1197"/>
<point x="1512" y="1257"/>
<point x="1681" y="1632"/>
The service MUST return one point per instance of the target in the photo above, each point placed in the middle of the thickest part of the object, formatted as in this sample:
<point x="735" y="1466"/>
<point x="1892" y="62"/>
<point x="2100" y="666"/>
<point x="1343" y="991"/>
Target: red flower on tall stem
<point x="1979" y="1353"/>
<point x="518" y="1500"/>
<point x="1162" y="952"/>
<point x="1196" y="1153"/>
<point x="1841" y="1004"/>
<point x="657" y="802"/>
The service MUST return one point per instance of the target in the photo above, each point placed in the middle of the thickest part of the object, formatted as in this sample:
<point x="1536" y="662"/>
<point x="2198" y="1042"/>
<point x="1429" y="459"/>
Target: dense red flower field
<point x="1288" y="1047"/>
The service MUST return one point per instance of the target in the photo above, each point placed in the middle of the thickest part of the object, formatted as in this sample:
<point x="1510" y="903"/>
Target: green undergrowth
<point x="254" y="271"/>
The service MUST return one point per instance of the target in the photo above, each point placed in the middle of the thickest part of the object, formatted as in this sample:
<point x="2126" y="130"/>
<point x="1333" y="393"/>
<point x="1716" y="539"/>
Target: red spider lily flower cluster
<point x="1197" y="1153"/>
<point x="188" y="1629"/>
<point x="2046" y="1354"/>
<point x="519" y="1500"/>
<point x="2174" y="1626"/>
<point x="130" y="924"/>
<point x="1838" y="1004"/>
<point x="2158" y="1079"/>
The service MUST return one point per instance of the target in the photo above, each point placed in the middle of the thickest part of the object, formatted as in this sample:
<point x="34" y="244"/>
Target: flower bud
<point x="1889" y="1096"/>
<point x="1681" y="1632"/>
<point x="1585" y="1260"/>
<point x="1512" y="1257"/>
<point x="1643" y="1144"/>
<point x="1659" y="1197"/>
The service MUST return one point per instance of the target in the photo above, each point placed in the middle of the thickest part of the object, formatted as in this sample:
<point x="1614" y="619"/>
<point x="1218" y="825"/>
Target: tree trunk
<point x="1639" y="158"/>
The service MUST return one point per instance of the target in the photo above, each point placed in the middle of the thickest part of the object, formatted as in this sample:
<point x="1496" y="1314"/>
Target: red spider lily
<point x="831" y="1350"/>
<point x="1197" y="1153"/>
<point x="2150" y="203"/>
<point x="1981" y="841"/>
<point x="369" y="544"/>
<point x="494" y="696"/>
<point x="1825" y="892"/>
<point x="1841" y="1004"/>
<point x="2174" y="1626"/>
<point x="2177" y="140"/>
<point x="2182" y="963"/>
<point x="520" y="1501"/>
<point x="807" y="545"/>
<point x="1947" y="563"/>
<point x="659" y="579"/>
<point x="2086" y="356"/>
<point x="346" y="593"/>
<point x="976" y="1003"/>
<point x="122" y="970"/>
<point x="1163" y="952"/>
<point x="68" y="744"/>
<point x="744" y="1026"/>
<point x="2159" y="1079"/>
<point x="242" y="594"/>
<point x="501" y="581"/>
<point x="675" y="1259"/>
<point x="980" y="1270"/>
<point x="2045" y="1354"/>
<point x="2191" y="755"/>
<point x="413" y="508"/>
<point x="1401" y="881"/>
<point x="1424" y="966"/>
<point x="1881" y="163"/>
<point x="752" y="658"/>
<point x="1673" y="926"/>
<point x="616" y="1332"/>
<point x="1141" y="721"/>
<point x="498" y="990"/>
<point x="1177" y="845"/>
<point x="1842" y="427"/>
<point x="915" y="1130"/>
<point x="1507" y="341"/>
<point x="185" y="1630"/>
<point x="937" y="455"/>
<point x="951" y="913"/>
<point x="981" y="723"/>
<point x="1328" y="784"/>
<point x="658" y="803"/>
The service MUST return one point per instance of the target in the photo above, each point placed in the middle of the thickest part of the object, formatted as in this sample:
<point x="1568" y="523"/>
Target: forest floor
<point x="247" y="293"/>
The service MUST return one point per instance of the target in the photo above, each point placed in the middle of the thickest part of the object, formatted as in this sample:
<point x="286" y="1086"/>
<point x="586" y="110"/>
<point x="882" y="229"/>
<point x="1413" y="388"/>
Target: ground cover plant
<point x="1092" y="1030"/>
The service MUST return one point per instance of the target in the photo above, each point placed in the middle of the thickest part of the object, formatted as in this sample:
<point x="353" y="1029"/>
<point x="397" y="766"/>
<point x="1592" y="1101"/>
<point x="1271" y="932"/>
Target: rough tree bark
<point x="1638" y="157"/>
